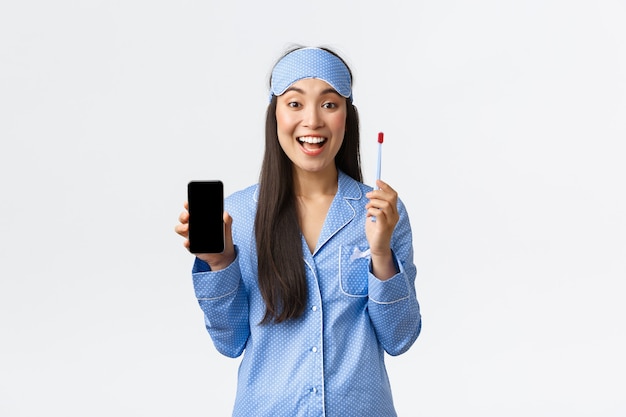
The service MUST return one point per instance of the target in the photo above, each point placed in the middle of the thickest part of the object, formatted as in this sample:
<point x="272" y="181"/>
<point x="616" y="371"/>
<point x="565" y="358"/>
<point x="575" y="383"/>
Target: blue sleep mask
<point x="311" y="63"/>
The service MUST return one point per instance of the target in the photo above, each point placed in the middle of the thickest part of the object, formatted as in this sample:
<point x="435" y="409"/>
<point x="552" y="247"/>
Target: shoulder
<point x="241" y="206"/>
<point x="351" y="189"/>
<point x="244" y="200"/>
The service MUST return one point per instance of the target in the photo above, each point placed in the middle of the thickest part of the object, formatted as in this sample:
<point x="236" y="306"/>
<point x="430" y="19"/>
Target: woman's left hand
<point x="383" y="205"/>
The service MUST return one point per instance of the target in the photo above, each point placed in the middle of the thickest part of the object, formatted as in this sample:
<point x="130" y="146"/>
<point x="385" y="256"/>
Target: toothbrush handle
<point x="379" y="162"/>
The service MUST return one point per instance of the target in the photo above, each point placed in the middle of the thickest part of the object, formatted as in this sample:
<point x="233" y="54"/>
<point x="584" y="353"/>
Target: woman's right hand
<point x="217" y="261"/>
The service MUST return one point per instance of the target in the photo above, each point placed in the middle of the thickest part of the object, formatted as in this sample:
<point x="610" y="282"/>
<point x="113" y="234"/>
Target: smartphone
<point x="206" y="222"/>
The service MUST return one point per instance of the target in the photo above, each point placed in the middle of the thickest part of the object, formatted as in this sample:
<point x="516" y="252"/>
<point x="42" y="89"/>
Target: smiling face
<point x="311" y="122"/>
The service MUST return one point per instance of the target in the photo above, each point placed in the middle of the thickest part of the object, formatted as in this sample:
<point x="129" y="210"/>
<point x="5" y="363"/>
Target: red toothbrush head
<point x="380" y="137"/>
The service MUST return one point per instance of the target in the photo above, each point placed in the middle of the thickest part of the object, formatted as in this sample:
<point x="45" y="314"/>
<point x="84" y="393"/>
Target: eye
<point x="293" y="104"/>
<point x="329" y="105"/>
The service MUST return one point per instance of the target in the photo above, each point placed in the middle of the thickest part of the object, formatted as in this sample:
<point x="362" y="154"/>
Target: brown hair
<point x="282" y="277"/>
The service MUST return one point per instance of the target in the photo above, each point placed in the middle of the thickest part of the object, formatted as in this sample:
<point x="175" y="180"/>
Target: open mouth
<point x="312" y="142"/>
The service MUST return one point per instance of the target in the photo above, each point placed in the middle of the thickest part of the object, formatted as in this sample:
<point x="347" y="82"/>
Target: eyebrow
<point x="301" y="91"/>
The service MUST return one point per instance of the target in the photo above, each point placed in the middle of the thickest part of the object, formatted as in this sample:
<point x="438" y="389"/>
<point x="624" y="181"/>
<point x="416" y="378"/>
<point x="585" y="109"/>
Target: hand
<point x="383" y="205"/>
<point x="217" y="261"/>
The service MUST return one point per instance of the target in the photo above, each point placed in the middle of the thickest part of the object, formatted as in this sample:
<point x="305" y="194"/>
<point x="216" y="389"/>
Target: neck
<point x="311" y="184"/>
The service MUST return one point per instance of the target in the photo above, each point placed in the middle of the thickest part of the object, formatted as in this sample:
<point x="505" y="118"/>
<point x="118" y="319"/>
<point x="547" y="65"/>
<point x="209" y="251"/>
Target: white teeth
<point x="311" y="139"/>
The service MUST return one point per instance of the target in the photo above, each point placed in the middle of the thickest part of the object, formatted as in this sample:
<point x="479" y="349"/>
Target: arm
<point x="223" y="299"/>
<point x="218" y="286"/>
<point x="393" y="307"/>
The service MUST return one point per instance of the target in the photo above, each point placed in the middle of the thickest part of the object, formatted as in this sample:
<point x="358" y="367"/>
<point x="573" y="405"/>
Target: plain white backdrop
<point x="505" y="129"/>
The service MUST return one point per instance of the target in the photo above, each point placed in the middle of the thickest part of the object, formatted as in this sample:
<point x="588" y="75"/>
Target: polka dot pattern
<point x="329" y="362"/>
<point x="310" y="63"/>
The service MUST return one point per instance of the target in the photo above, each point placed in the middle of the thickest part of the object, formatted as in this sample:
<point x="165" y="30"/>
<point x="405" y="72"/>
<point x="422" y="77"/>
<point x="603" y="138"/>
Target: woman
<point x="316" y="281"/>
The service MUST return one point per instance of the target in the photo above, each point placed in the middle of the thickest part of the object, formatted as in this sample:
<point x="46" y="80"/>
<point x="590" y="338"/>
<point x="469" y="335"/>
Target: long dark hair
<point x="282" y="277"/>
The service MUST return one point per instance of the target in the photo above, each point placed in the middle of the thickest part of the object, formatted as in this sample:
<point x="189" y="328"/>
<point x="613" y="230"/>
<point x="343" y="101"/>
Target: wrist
<point x="217" y="262"/>
<point x="221" y="264"/>
<point x="383" y="265"/>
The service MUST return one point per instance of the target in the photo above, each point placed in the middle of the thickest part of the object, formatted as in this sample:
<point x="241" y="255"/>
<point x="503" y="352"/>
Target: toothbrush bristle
<point x="380" y="137"/>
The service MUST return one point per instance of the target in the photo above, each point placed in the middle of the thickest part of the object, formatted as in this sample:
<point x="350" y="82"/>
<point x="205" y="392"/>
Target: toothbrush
<point x="380" y="156"/>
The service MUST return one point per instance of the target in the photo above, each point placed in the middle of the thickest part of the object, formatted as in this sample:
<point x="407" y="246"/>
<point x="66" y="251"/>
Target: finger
<point x="384" y="209"/>
<point x="228" y="223"/>
<point x="380" y="205"/>
<point x="184" y="217"/>
<point x="228" y="227"/>
<point x="384" y="186"/>
<point x="385" y="192"/>
<point x="374" y="212"/>
<point x="186" y="205"/>
<point x="182" y="229"/>
<point x="381" y="194"/>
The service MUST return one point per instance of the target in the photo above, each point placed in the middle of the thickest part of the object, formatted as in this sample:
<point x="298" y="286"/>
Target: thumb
<point x="228" y="223"/>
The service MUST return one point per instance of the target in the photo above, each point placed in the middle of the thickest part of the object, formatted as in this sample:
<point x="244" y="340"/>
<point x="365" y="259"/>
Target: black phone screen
<point x="206" y="223"/>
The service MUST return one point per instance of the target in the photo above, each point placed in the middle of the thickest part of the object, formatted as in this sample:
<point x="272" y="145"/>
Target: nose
<point x="313" y="117"/>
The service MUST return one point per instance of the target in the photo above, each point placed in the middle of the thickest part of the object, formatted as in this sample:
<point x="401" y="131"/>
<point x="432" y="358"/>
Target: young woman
<point x="316" y="281"/>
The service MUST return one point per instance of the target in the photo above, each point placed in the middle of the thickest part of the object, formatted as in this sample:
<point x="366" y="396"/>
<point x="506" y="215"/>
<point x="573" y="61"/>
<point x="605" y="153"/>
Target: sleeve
<point x="223" y="299"/>
<point x="393" y="306"/>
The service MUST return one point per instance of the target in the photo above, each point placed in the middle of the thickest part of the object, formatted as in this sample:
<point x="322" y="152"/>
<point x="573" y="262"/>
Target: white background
<point x="504" y="131"/>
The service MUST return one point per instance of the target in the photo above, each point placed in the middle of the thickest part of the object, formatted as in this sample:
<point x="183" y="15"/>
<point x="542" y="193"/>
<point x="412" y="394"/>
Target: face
<point x="311" y="120"/>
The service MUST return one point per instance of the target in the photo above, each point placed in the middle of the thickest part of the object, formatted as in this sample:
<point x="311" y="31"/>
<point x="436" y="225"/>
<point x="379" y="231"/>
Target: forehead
<point x="313" y="86"/>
